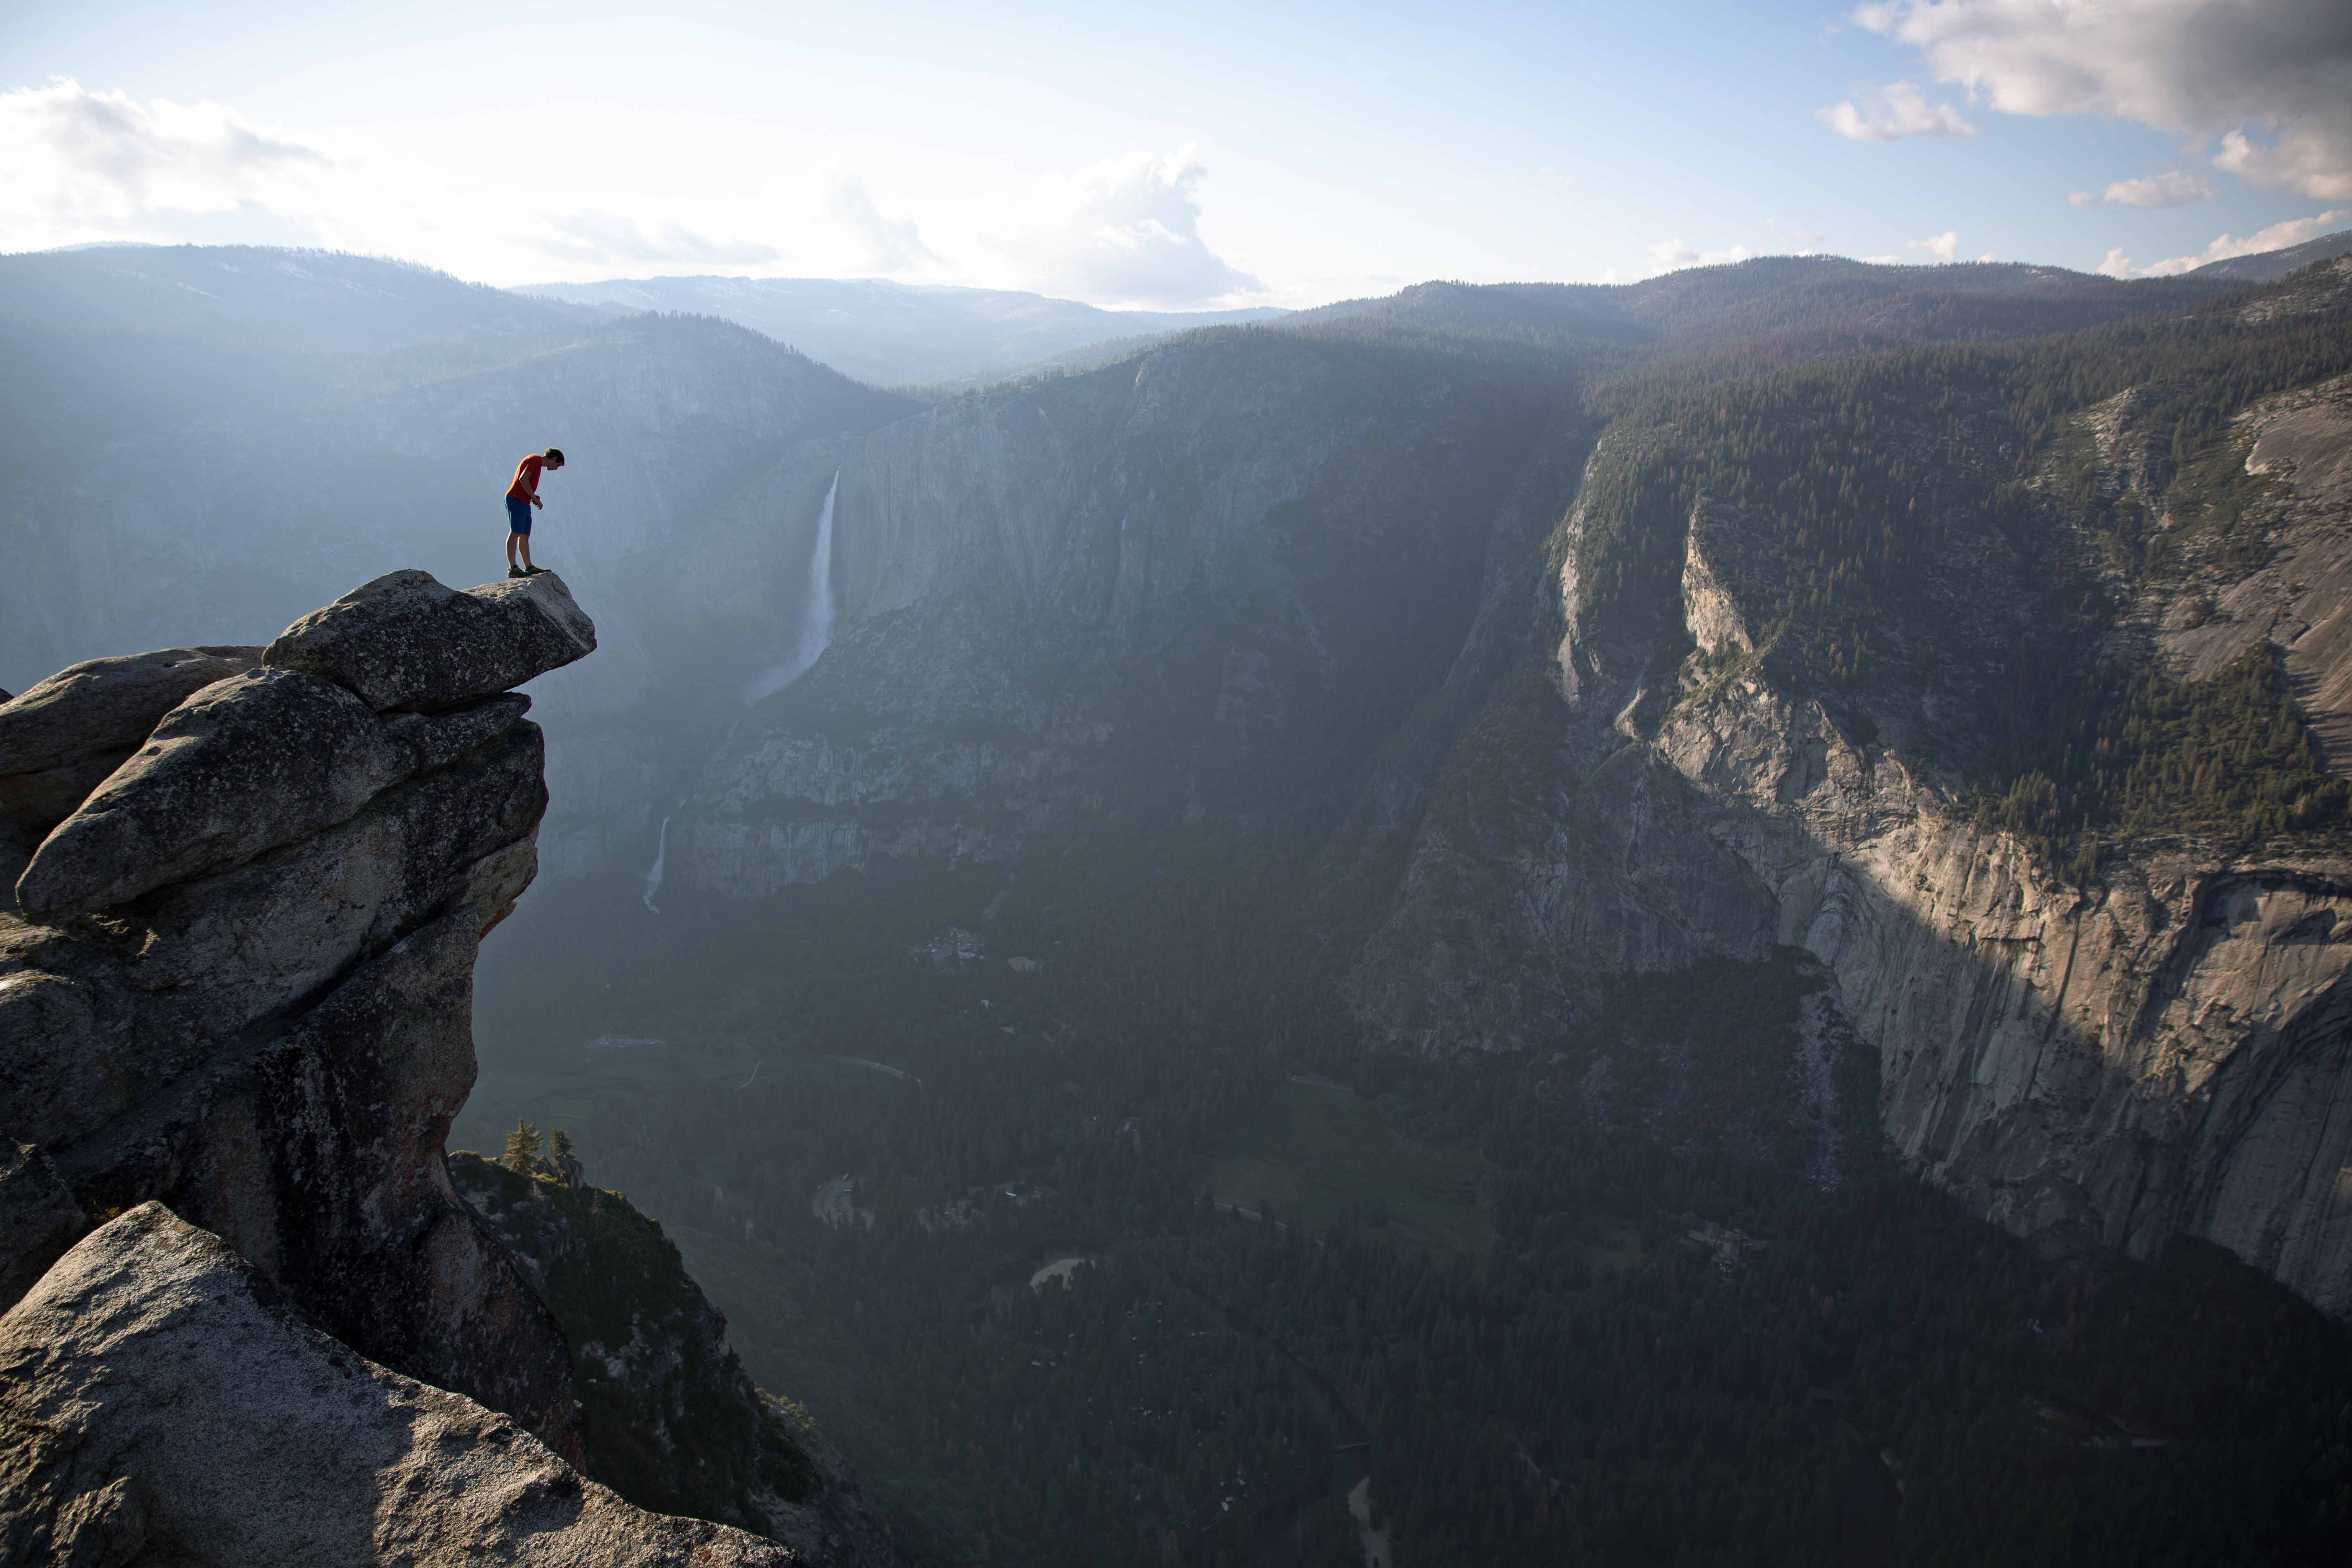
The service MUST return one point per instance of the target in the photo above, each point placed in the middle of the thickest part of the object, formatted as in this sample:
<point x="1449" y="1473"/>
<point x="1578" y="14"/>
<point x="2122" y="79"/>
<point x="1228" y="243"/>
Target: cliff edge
<point x="247" y="887"/>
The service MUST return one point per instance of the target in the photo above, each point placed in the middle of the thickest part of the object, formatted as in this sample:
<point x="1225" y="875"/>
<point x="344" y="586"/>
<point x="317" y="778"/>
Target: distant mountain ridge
<point x="2270" y="266"/>
<point x="1775" y="306"/>
<point x="897" y="334"/>
<point x="249" y="296"/>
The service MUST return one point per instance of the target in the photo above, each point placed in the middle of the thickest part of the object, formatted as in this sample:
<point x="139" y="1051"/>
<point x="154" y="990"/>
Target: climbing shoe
<point x="533" y="570"/>
<point x="516" y="572"/>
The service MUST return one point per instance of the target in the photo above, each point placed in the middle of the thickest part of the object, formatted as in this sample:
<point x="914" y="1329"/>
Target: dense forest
<point x="1673" y="1334"/>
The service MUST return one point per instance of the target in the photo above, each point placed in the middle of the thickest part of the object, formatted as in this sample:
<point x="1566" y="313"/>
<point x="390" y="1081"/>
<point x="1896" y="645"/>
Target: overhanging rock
<point x="404" y="641"/>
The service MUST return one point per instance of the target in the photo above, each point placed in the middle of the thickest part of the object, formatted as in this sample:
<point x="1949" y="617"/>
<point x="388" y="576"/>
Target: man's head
<point x="553" y="458"/>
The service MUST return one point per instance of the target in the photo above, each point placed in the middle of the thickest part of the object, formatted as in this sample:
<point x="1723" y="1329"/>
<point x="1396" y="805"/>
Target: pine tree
<point x="560" y="1145"/>
<point x="522" y="1148"/>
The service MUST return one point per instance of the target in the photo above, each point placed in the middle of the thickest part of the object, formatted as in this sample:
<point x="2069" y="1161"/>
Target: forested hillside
<point x="1678" y="1303"/>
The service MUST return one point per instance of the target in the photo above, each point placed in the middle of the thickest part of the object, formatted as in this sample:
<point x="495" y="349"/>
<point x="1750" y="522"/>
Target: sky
<point x="1179" y="156"/>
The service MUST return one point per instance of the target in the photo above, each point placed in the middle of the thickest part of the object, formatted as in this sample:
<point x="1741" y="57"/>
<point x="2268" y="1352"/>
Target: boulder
<point x="407" y="642"/>
<point x="246" y="765"/>
<point x="158" y="1402"/>
<point x="61" y="738"/>
<point x="39" y="1217"/>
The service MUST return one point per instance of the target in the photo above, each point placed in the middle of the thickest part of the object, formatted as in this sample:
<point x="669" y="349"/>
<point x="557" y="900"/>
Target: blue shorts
<point x="519" y="516"/>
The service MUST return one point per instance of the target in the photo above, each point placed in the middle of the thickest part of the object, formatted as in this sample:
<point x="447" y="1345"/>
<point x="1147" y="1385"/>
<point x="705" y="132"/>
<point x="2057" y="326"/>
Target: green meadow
<point x="1319" y="1150"/>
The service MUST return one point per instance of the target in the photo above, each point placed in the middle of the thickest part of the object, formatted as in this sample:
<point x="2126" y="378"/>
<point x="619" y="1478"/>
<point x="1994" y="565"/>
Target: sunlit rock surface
<point x="161" y="1403"/>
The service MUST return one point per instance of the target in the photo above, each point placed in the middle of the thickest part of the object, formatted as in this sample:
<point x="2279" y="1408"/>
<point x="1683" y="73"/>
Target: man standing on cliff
<point x="521" y="496"/>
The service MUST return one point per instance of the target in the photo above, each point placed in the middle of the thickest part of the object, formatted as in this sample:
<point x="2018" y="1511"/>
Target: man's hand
<point x="536" y="502"/>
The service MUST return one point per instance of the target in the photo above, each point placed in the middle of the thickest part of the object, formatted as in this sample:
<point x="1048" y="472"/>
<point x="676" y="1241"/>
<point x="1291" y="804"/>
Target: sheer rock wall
<point x="2098" y="1066"/>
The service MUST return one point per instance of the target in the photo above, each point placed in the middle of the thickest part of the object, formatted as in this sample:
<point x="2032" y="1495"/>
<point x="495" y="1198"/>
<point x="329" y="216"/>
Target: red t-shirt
<point x="526" y="479"/>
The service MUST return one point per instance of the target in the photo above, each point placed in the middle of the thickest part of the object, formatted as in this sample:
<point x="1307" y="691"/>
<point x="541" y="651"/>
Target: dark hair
<point x="554" y="455"/>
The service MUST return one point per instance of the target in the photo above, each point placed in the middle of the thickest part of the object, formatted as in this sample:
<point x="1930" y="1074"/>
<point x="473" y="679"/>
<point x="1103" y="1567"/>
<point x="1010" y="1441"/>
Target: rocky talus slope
<point x="235" y="980"/>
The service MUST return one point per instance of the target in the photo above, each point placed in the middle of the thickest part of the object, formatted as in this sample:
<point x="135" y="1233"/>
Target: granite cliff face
<point x="236" y="982"/>
<point x="237" y="978"/>
<point x="2163" y="1046"/>
<point x="2098" y="1059"/>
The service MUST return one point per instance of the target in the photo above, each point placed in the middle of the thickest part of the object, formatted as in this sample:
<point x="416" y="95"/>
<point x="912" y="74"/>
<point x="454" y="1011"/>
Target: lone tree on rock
<point x="522" y="1148"/>
<point x="560" y="1145"/>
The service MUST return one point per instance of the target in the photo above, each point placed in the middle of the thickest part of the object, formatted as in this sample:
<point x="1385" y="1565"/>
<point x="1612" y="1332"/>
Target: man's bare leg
<point x="510" y="549"/>
<point x="523" y="540"/>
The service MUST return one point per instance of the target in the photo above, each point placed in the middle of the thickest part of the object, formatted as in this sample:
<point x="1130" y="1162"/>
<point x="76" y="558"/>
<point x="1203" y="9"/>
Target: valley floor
<point x="1477" y="1271"/>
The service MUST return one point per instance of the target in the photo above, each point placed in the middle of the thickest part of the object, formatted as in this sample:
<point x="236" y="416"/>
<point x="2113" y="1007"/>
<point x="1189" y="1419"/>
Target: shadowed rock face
<point x="246" y="987"/>
<point x="669" y="1418"/>
<point x="160" y="1401"/>
<point x="39" y="1217"/>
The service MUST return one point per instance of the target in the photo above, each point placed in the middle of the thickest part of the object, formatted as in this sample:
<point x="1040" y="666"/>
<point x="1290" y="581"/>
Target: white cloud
<point x="2173" y="188"/>
<point x="83" y="163"/>
<point x="604" y="239"/>
<point x="1943" y="247"/>
<point x="1674" y="255"/>
<point x="78" y="166"/>
<point x="1891" y="113"/>
<point x="892" y="245"/>
<point x="2313" y="160"/>
<point x="1126" y="230"/>
<point x="2278" y="237"/>
<point x="1942" y="250"/>
<point x="1806" y="236"/>
<point x="84" y="166"/>
<point x="2220" y="68"/>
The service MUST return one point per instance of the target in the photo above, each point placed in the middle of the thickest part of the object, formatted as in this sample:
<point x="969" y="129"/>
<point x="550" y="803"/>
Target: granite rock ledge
<point x="247" y="887"/>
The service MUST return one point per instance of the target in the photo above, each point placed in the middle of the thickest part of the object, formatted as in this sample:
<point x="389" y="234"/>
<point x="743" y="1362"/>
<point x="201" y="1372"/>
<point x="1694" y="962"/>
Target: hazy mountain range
<point x="899" y="334"/>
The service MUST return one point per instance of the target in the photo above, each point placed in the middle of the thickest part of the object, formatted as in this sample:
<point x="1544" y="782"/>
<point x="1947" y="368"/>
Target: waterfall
<point x="661" y="858"/>
<point x="816" y="632"/>
<point x="816" y="620"/>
